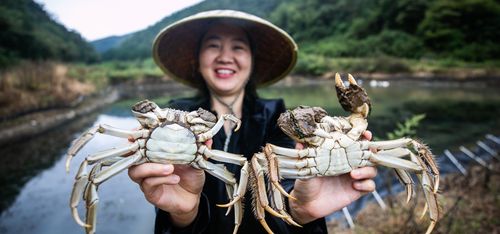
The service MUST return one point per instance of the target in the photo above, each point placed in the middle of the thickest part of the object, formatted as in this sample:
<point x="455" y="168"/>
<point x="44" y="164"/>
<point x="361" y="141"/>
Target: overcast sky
<point x="96" y="19"/>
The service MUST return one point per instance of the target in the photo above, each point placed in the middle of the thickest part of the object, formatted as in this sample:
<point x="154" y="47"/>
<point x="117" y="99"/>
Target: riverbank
<point x="470" y="204"/>
<point x="37" y="122"/>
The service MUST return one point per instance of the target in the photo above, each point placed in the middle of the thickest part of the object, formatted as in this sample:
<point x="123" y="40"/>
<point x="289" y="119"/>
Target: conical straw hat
<point x="175" y="47"/>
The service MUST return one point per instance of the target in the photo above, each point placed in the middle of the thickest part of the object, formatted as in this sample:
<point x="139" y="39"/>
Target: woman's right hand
<point x="174" y="189"/>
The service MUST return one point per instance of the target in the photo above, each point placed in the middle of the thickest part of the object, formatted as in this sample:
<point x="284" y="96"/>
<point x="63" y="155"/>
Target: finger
<point x="150" y="183"/>
<point x="140" y="172"/>
<point x="364" y="185"/>
<point x="209" y="143"/>
<point x="367" y="135"/>
<point x="299" y="146"/>
<point x="364" y="173"/>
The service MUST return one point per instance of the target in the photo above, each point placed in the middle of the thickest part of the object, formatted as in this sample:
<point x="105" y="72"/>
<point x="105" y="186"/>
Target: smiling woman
<point x="225" y="59"/>
<point x="226" y="55"/>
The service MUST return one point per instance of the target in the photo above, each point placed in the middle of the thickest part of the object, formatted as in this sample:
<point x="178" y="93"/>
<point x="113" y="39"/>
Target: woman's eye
<point x="239" y="47"/>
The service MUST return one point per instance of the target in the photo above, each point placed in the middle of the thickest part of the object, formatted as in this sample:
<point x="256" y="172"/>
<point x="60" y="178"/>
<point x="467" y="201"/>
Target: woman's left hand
<point x="320" y="196"/>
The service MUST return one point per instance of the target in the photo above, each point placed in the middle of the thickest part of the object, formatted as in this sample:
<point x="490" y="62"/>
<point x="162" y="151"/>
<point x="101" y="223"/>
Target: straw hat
<point x="175" y="47"/>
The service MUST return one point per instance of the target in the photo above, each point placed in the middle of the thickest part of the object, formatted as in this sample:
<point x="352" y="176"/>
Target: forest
<point x="464" y="30"/>
<point x="28" y="32"/>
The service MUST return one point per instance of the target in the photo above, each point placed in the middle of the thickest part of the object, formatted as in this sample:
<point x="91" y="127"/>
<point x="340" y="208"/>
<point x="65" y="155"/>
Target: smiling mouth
<point x="224" y="73"/>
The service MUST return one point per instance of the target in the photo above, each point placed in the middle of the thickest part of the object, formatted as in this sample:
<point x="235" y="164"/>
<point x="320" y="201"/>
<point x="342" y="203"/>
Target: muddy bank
<point x="36" y="123"/>
<point x="469" y="204"/>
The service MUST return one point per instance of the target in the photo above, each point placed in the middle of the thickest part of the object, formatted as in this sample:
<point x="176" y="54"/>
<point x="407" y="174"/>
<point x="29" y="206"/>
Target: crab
<point x="165" y="136"/>
<point x="334" y="146"/>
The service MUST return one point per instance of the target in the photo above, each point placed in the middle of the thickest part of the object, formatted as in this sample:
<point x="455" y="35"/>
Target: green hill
<point x="462" y="29"/>
<point x="28" y="32"/>
<point x="139" y="43"/>
<point x="105" y="44"/>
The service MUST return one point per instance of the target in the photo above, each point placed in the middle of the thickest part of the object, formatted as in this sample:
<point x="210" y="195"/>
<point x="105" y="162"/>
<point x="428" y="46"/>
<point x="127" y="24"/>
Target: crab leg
<point x="90" y="195"/>
<point x="279" y="204"/>
<point x="259" y="171"/>
<point x="426" y="158"/>
<point x="237" y="195"/>
<point x="104" y="129"/>
<point x="221" y="156"/>
<point x="209" y="134"/>
<point x="92" y="202"/>
<point x="358" y="122"/>
<point x="405" y="178"/>
<point x="293" y="153"/>
<point x="113" y="152"/>
<point x="82" y="183"/>
<point x="116" y="168"/>
<point x="397" y="152"/>
<point x="429" y="179"/>
<point x="219" y="171"/>
<point x="241" y="190"/>
<point x="259" y="192"/>
<point x="381" y="145"/>
<point x="394" y="162"/>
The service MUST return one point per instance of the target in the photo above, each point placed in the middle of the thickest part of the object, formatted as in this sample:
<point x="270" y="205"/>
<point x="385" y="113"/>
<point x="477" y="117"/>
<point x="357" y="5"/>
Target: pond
<point x="35" y="189"/>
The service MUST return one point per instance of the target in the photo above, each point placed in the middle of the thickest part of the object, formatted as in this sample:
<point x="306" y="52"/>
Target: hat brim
<point x="274" y="51"/>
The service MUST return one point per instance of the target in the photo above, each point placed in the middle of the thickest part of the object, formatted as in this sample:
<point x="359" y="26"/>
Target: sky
<point x="96" y="19"/>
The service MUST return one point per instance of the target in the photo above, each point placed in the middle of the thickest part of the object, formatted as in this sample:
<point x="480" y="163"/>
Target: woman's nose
<point x="225" y="55"/>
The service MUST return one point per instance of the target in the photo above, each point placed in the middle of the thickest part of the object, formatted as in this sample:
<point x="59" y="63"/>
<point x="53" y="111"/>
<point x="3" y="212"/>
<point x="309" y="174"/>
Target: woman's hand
<point x="320" y="196"/>
<point x="174" y="189"/>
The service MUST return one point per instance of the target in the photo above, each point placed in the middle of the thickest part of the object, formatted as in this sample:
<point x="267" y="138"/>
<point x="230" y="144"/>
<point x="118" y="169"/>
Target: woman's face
<point x="225" y="59"/>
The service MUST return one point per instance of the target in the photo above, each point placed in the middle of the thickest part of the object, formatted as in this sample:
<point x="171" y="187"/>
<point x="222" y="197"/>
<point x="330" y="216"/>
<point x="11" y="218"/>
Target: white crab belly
<point x="171" y="144"/>
<point x="332" y="162"/>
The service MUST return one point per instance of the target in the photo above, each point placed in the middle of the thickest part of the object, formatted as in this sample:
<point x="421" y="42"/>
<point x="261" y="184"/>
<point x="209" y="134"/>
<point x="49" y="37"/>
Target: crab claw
<point x="353" y="97"/>
<point x="339" y="83"/>
<point x="234" y="120"/>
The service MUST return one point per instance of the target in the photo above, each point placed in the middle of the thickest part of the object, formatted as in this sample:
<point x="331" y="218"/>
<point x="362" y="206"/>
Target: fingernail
<point x="358" y="185"/>
<point x="167" y="169"/>
<point x="176" y="178"/>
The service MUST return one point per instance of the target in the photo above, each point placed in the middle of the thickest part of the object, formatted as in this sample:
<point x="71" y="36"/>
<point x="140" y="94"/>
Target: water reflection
<point x="43" y="203"/>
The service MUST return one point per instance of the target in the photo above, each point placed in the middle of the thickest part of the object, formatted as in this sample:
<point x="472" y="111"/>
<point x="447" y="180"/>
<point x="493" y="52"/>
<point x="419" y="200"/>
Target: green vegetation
<point x="443" y="37"/>
<point x="408" y="128"/>
<point x="343" y="35"/>
<point x="27" y="32"/>
<point x="469" y="204"/>
<point x="444" y="29"/>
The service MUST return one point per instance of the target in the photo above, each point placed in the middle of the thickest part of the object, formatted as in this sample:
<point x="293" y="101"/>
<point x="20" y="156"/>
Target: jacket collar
<point x="253" y="122"/>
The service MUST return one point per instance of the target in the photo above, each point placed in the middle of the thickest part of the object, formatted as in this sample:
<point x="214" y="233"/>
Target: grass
<point x="470" y="204"/>
<point x="34" y="86"/>
<point x="318" y="65"/>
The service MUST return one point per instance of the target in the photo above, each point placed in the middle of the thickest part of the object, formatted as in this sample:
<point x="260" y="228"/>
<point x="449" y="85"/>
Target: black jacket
<point x="258" y="128"/>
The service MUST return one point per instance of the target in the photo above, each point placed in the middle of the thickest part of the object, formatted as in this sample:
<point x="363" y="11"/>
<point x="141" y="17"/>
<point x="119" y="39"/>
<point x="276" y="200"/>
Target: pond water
<point x="35" y="189"/>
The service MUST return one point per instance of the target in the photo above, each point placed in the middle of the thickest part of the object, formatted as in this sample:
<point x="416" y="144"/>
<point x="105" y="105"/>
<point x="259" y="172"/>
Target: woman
<point x="226" y="55"/>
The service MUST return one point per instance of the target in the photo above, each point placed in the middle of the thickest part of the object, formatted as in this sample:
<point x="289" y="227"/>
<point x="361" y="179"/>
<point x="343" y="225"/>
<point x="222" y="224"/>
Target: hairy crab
<point x="165" y="136"/>
<point x="333" y="146"/>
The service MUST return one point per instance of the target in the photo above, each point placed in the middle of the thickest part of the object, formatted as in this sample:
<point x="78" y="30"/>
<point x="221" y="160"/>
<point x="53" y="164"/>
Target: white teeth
<point x="224" y="71"/>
